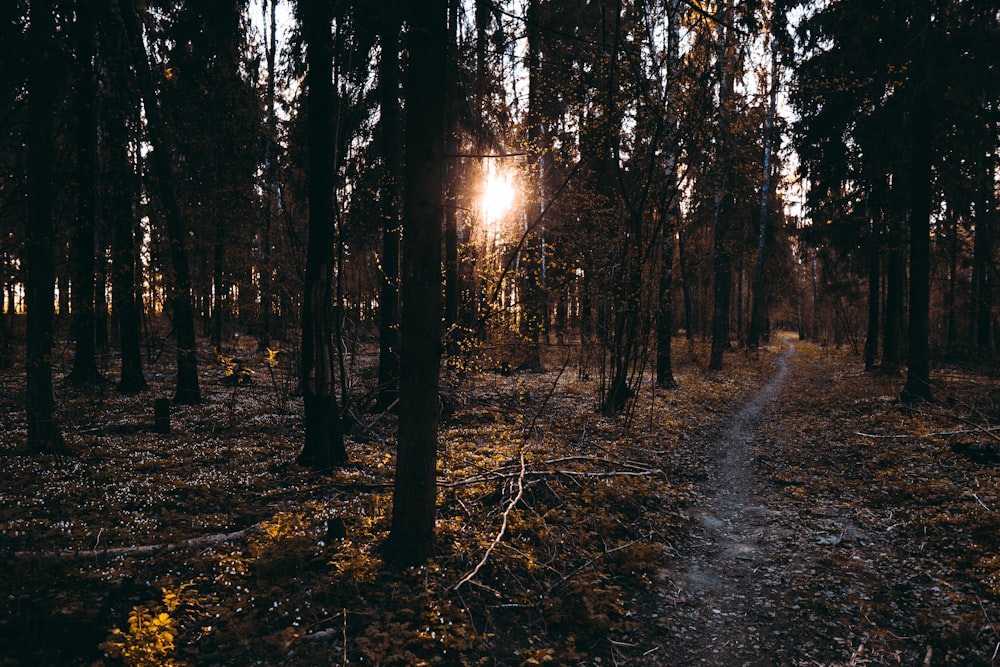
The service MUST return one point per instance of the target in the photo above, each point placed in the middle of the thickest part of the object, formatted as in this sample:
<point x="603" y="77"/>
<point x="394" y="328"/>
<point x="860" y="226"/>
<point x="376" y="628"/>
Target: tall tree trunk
<point x="670" y="213"/>
<point x="101" y="269"/>
<point x="918" y="379"/>
<point x="894" y="284"/>
<point x="722" y="284"/>
<point x="983" y="270"/>
<point x="7" y="312"/>
<point x="874" y="289"/>
<point x="220" y="301"/>
<point x="759" y="296"/>
<point x="265" y="324"/>
<point x="452" y="289"/>
<point x="324" y="441"/>
<point x="951" y="295"/>
<point x="188" y="391"/>
<point x="529" y="277"/>
<point x="119" y="189"/>
<point x="43" y="431"/>
<point x="682" y="264"/>
<point x="388" y="358"/>
<point x="85" y="357"/>
<point x="411" y="537"/>
<point x="665" y="312"/>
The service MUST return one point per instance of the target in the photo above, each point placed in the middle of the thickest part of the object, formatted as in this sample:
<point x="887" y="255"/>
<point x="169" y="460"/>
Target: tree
<point x="265" y="327"/>
<point x="918" y="380"/>
<point x="119" y="187"/>
<point x="389" y="123"/>
<point x="188" y="391"/>
<point x="43" y="431"/>
<point x="85" y="360"/>
<point x="723" y="195"/>
<point x="754" y="334"/>
<point x="411" y="537"/>
<point x="324" y="441"/>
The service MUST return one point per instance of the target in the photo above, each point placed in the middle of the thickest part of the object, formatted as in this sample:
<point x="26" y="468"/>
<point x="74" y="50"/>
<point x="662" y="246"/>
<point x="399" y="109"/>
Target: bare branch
<point x="503" y="526"/>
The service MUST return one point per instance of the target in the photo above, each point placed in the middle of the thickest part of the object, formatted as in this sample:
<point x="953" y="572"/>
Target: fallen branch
<point x="500" y="474"/>
<point x="503" y="527"/>
<point x="985" y="506"/>
<point x="143" y="549"/>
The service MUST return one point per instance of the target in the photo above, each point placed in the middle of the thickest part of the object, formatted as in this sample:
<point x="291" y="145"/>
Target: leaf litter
<point x="844" y="529"/>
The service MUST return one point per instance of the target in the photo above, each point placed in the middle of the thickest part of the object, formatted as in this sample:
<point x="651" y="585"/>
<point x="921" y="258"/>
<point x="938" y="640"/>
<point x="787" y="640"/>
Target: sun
<point x="498" y="196"/>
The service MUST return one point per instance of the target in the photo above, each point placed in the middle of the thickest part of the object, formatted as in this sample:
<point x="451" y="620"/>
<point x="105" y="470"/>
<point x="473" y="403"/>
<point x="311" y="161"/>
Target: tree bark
<point x="722" y="284"/>
<point x="759" y="296"/>
<point x="983" y="271"/>
<point x="43" y="431"/>
<point x="452" y="289"/>
<point x="388" y="359"/>
<point x="324" y="441"/>
<point x="188" y="391"/>
<point x="119" y="189"/>
<point x="682" y="263"/>
<point x="85" y="357"/>
<point x="530" y="291"/>
<point x="411" y="537"/>
<point x="265" y="324"/>
<point x="918" y="380"/>
<point x="894" y="284"/>
<point x="874" y="289"/>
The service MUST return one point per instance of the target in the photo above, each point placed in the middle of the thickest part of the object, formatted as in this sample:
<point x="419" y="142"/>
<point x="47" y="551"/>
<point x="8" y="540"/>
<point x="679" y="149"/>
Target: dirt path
<point x="718" y="598"/>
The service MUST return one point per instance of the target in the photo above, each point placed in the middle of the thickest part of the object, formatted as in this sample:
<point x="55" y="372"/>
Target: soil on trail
<point x="832" y="527"/>
<point x="719" y="585"/>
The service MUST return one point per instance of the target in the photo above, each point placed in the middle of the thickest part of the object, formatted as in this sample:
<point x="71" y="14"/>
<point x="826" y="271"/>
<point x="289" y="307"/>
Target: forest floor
<point x="786" y="511"/>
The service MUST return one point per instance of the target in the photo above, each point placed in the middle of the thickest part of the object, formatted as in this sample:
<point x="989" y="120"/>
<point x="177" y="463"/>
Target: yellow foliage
<point x="149" y="640"/>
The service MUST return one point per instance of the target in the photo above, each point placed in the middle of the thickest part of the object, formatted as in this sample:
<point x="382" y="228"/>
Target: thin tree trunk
<point x="757" y="313"/>
<point x="324" y="441"/>
<point x="119" y="188"/>
<point x="665" y="314"/>
<point x="43" y="430"/>
<point x="188" y="391"/>
<point x="951" y="295"/>
<point x="983" y="270"/>
<point x="529" y="276"/>
<point x="722" y="285"/>
<point x="388" y="360"/>
<point x="918" y="380"/>
<point x="265" y="325"/>
<point x="101" y="268"/>
<point x="682" y="263"/>
<point x="670" y="213"/>
<point x="411" y="537"/>
<point x="895" y="277"/>
<point x="452" y="289"/>
<point x="85" y="357"/>
<point x="219" y="296"/>
<point x="874" y="305"/>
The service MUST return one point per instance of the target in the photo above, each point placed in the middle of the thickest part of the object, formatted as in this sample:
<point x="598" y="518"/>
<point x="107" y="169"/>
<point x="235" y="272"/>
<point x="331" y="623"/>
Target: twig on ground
<point x="500" y="474"/>
<point x="985" y="506"/>
<point x="503" y="526"/>
<point x="143" y="549"/>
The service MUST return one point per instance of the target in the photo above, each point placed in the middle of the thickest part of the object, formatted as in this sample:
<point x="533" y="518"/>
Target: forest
<point x="499" y="332"/>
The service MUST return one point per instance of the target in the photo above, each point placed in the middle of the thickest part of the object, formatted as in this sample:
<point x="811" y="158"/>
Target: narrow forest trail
<point x="830" y="526"/>
<point x="718" y="597"/>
